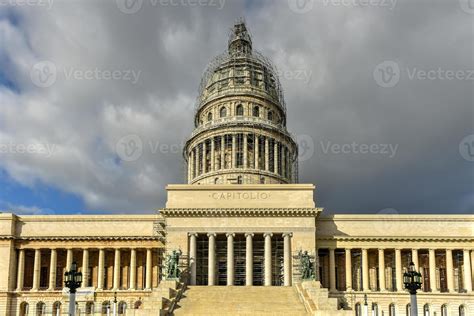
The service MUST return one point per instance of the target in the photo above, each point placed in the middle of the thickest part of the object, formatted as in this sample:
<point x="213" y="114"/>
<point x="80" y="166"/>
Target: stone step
<point x="240" y="300"/>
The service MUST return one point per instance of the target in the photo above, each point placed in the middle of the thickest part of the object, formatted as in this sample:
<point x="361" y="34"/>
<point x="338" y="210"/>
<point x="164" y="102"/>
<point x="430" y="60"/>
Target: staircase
<point x="240" y="300"/>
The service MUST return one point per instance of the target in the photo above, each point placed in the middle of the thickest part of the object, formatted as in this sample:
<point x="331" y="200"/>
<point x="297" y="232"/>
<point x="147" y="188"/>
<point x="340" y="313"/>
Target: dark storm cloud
<point x="369" y="94"/>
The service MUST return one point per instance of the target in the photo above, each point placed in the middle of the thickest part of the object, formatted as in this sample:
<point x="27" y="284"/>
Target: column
<point x="467" y="271"/>
<point x="472" y="266"/>
<point x="212" y="259"/>
<point x="196" y="154"/>
<point x="365" y="270"/>
<point x="213" y="149"/>
<point x="398" y="269"/>
<point x="117" y="269"/>
<point x="348" y="262"/>
<point x="266" y="154"/>
<point x="432" y="260"/>
<point x="248" y="259"/>
<point x="133" y="269"/>
<point x="69" y="258"/>
<point x="245" y="150"/>
<point x="204" y="157"/>
<point x="414" y="258"/>
<point x="332" y="270"/>
<point x="449" y="270"/>
<point x="230" y="258"/>
<point x="36" y="270"/>
<point x="222" y="152"/>
<point x="268" y="258"/>
<point x="148" y="270"/>
<point x="233" y="150"/>
<point x="255" y="149"/>
<point x="21" y="270"/>
<point x="192" y="256"/>
<point x="287" y="259"/>
<point x="85" y="268"/>
<point x="191" y="169"/>
<point x="283" y="161"/>
<point x="381" y="270"/>
<point x="275" y="157"/>
<point x="52" y="269"/>
<point x="100" y="270"/>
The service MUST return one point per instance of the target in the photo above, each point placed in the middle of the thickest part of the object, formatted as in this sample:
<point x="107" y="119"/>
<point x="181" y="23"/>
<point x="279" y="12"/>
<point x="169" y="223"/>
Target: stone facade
<point x="241" y="222"/>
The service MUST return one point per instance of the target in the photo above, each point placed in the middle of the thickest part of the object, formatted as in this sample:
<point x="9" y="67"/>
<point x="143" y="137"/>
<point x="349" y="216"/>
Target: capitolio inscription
<point x="240" y="196"/>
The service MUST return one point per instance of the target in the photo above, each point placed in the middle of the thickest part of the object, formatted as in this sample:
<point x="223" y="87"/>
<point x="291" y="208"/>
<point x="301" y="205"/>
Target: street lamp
<point x="412" y="282"/>
<point x="72" y="280"/>
<point x="115" y="304"/>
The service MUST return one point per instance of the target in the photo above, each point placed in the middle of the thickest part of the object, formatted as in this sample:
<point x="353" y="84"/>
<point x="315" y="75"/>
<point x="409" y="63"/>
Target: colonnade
<point x="99" y="282"/>
<point x="249" y="258"/>
<point x="382" y="269"/>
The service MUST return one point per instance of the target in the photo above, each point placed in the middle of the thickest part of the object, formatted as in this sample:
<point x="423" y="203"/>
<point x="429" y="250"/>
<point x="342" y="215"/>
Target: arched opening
<point x="223" y="112"/>
<point x="239" y="110"/>
<point x="239" y="180"/>
<point x="216" y="180"/>
<point x="358" y="310"/>
<point x="462" y="310"/>
<point x="262" y="180"/>
<point x="56" y="308"/>
<point x="375" y="309"/>
<point x="24" y="309"/>
<point x="391" y="310"/>
<point x="426" y="310"/>
<point x="105" y="310"/>
<point x="40" y="309"/>
<point x="256" y="111"/>
<point x="122" y="307"/>
<point x="209" y="117"/>
<point x="89" y="308"/>
<point x="270" y="115"/>
<point x="408" y="309"/>
<point x="444" y="310"/>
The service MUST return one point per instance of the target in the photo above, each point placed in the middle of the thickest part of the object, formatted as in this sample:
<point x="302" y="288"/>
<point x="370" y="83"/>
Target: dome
<point x="240" y="70"/>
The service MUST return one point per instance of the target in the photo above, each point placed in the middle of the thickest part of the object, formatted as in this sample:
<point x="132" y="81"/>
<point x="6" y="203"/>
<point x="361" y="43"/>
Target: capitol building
<point x="241" y="224"/>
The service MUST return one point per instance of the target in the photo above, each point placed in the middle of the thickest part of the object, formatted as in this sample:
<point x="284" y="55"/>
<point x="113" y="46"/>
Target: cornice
<point x="392" y="238"/>
<point x="237" y="212"/>
<point x="88" y="238"/>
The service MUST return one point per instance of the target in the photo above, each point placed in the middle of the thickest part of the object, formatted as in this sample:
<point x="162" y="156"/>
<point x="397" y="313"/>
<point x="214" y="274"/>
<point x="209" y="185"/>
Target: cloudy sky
<point x="379" y="95"/>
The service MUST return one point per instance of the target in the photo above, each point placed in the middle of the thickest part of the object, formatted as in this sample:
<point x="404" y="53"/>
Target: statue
<point x="306" y="266"/>
<point x="171" y="270"/>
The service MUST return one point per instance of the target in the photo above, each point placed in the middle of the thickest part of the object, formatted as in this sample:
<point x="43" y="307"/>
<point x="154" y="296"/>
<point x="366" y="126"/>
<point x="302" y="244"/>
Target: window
<point x="256" y="111"/>
<point x="462" y="310"/>
<point x="408" y="309"/>
<point x="358" y="310"/>
<point x="216" y="180"/>
<point x="138" y="305"/>
<point x="209" y="117"/>
<point x="426" y="310"/>
<point x="24" y="307"/>
<point x="122" y="307"/>
<point x="262" y="180"/>
<point x="223" y="112"/>
<point x="105" y="308"/>
<point x="57" y="308"/>
<point x="239" y="111"/>
<point x="89" y="308"/>
<point x="391" y="310"/>
<point x="444" y="310"/>
<point x="40" y="309"/>
<point x="270" y="115"/>
<point x="239" y="180"/>
<point x="375" y="309"/>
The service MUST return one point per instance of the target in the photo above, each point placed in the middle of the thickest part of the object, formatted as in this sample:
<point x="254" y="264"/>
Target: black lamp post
<point x="412" y="282"/>
<point x="72" y="280"/>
